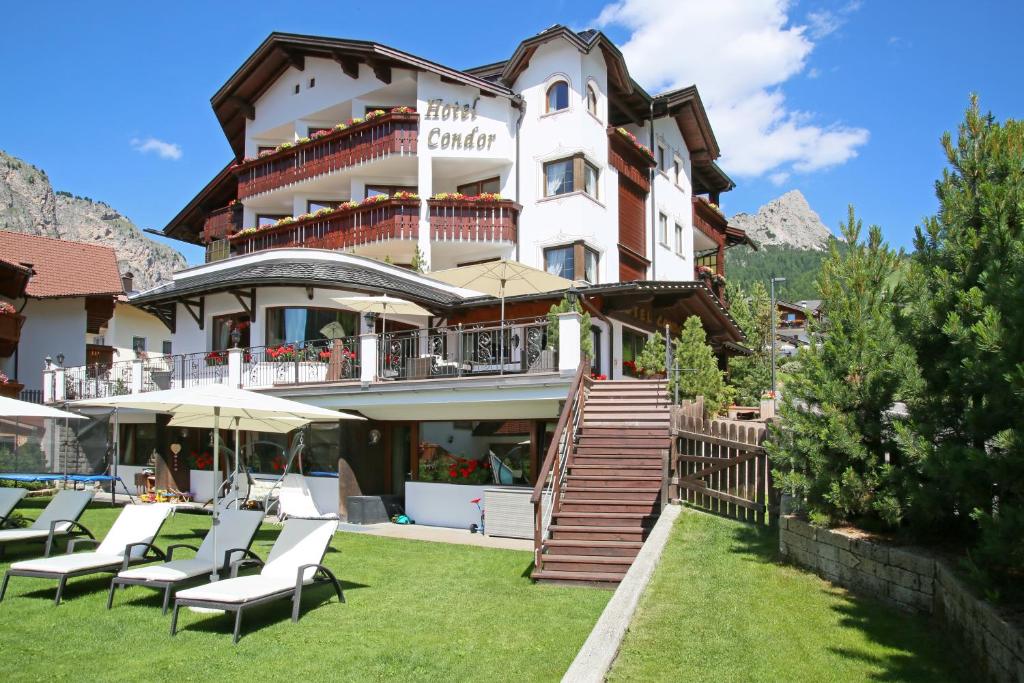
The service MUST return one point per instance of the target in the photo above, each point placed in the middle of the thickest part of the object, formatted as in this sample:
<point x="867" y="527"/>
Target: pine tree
<point x="698" y="373"/>
<point x="834" y="448"/>
<point x="419" y="261"/>
<point x="751" y="375"/>
<point x="651" y="359"/>
<point x="966" y="325"/>
<point x="586" y="340"/>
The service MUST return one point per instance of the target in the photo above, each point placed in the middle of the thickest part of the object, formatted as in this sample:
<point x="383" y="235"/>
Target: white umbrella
<point x="381" y="304"/>
<point x="12" y="407"/>
<point x="214" y="402"/>
<point x="503" y="278"/>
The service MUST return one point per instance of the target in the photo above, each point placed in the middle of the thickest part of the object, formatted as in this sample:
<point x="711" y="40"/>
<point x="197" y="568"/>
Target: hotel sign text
<point x="439" y="110"/>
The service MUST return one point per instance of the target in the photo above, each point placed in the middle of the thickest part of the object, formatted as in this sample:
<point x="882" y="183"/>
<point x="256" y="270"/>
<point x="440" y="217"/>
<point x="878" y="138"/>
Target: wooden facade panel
<point x="632" y="210"/>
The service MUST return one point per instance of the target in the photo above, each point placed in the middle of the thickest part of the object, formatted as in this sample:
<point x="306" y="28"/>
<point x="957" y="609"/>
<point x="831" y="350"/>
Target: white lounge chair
<point x="126" y="543"/>
<point x="9" y="499"/>
<point x="234" y="536"/>
<point x="58" y="518"/>
<point x="295" y="500"/>
<point x="294" y="562"/>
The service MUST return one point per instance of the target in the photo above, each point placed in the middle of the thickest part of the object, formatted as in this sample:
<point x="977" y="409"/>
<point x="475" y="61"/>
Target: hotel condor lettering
<point x="439" y="110"/>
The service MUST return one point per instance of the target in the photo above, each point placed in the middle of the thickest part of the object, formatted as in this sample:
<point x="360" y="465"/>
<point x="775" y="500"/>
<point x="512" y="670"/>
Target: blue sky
<point x="845" y="101"/>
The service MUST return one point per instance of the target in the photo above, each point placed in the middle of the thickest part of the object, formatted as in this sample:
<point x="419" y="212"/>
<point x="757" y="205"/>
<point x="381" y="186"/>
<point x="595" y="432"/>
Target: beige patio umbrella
<point x="12" y="407"/>
<point x="502" y="278"/>
<point x="217" y="402"/>
<point x="383" y="305"/>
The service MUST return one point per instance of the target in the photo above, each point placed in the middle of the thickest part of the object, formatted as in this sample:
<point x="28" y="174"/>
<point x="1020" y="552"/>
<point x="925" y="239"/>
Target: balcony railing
<point x="222" y="222"/>
<point x="519" y="346"/>
<point x="470" y="220"/>
<point x="392" y="219"/>
<point x="392" y="133"/>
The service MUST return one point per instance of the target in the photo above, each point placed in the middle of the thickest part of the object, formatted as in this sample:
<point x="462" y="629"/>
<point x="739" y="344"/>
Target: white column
<point x="368" y="358"/>
<point x="569" y="348"/>
<point x="235" y="368"/>
<point x="137" y="376"/>
<point x="425" y="189"/>
<point x="48" y="385"/>
<point x="59" y="386"/>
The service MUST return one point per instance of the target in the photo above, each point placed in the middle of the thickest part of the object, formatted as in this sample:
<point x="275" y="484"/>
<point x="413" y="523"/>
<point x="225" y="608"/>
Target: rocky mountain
<point x="787" y="221"/>
<point x="29" y="204"/>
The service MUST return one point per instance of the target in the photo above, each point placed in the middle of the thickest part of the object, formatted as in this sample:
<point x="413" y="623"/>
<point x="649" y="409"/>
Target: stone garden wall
<point x="910" y="581"/>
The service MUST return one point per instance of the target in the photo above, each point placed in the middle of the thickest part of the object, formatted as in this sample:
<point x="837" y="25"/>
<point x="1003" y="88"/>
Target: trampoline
<point x="74" y="478"/>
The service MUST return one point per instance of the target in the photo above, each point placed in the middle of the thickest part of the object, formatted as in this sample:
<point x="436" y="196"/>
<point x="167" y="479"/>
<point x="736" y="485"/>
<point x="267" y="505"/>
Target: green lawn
<point x="416" y="610"/>
<point x="721" y="608"/>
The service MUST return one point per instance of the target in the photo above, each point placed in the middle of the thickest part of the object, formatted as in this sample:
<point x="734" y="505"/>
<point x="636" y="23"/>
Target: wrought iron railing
<point x="311" y="361"/>
<point x="98" y="380"/>
<point x="496" y="348"/>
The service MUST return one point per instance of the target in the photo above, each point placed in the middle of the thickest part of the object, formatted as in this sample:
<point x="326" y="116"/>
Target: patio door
<point x="400" y="453"/>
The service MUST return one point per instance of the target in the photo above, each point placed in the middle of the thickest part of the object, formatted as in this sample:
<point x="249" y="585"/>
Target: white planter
<point x="437" y="504"/>
<point x="127" y="474"/>
<point x="203" y="483"/>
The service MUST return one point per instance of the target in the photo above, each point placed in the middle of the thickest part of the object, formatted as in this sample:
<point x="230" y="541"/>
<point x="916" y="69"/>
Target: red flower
<point x="475" y="500"/>
<point x="465" y="472"/>
<point x="452" y="473"/>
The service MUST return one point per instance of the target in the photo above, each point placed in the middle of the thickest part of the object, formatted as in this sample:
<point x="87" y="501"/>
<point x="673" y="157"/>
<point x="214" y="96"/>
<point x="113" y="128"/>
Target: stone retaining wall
<point x="910" y="581"/>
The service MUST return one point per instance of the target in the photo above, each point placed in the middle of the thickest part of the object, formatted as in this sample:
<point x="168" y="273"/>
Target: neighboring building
<point x="793" y="324"/>
<point x="68" y="299"/>
<point x="134" y="333"/>
<point x="351" y="153"/>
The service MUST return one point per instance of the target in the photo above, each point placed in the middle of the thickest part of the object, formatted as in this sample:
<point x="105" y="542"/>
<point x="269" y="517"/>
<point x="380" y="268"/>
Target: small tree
<point x="651" y="359"/>
<point x="563" y="306"/>
<point x="698" y="369"/>
<point x="834" y="448"/>
<point x="419" y="261"/>
<point x="751" y="375"/>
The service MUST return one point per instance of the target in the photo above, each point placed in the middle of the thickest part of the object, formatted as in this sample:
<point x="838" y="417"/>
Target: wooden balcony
<point x="222" y="222"/>
<point x="710" y="221"/>
<point x="469" y="220"/>
<point x="392" y="133"/>
<point x="392" y="219"/>
<point x="629" y="159"/>
<point x="98" y="354"/>
<point x="10" y="333"/>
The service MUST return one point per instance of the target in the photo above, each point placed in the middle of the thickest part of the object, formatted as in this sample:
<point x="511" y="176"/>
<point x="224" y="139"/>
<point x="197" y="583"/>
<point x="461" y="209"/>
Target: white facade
<point x="128" y="325"/>
<point x="52" y="327"/>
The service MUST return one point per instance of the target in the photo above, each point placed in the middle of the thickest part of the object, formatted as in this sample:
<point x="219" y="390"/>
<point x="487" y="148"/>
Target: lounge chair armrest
<point x="141" y="544"/>
<point x="319" y="568"/>
<point x="75" y="542"/>
<point x="74" y="526"/>
<point x="5" y="521"/>
<point x="246" y="553"/>
<point x="298" y="585"/>
<point x="170" y="549"/>
<point x="238" y="564"/>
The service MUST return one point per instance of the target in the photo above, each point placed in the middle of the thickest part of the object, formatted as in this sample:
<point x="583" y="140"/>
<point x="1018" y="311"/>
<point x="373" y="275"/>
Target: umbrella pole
<point x="383" y="352"/>
<point x="117" y="456"/>
<point x="234" y="473"/>
<point x="216" y="468"/>
<point x="501" y="332"/>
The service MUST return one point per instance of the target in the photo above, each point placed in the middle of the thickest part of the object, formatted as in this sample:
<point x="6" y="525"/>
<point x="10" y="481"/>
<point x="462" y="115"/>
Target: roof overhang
<point x="234" y="102"/>
<point x="14" y="279"/>
<point x="187" y="226"/>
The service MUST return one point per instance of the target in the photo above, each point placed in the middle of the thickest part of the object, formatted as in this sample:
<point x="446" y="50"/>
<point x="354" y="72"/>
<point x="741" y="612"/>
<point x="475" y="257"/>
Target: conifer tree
<point x="651" y="359"/>
<point x="966" y="325"/>
<point x="563" y="306"/>
<point x="834" y="448"/>
<point x="698" y="373"/>
<point x="751" y="375"/>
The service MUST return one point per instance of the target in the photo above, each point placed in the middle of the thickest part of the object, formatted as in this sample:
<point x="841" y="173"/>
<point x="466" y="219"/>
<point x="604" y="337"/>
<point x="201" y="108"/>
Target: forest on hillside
<point x="800" y="267"/>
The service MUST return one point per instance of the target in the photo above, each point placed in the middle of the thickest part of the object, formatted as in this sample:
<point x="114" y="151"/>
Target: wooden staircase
<point x="609" y="493"/>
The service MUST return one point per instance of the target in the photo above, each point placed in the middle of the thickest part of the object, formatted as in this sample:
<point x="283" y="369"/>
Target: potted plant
<point x="10" y="328"/>
<point x="9" y="387"/>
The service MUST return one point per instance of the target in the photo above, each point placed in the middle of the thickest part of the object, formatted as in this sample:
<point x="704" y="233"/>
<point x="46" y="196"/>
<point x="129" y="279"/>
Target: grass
<point x="721" y="608"/>
<point x="415" y="610"/>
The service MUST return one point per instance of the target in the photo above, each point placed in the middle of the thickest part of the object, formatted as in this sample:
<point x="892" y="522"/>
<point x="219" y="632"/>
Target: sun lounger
<point x="234" y="536"/>
<point x="294" y="562"/>
<point x="295" y="500"/>
<point x="9" y="499"/>
<point x="59" y="518"/>
<point x="126" y="543"/>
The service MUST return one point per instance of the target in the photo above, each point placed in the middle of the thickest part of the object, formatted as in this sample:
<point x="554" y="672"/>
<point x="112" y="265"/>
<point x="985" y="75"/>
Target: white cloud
<point x="778" y="178"/>
<point x="739" y="53"/>
<point x="164" y="150"/>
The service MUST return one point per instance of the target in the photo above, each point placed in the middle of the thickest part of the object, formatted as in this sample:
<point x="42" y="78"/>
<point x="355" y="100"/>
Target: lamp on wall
<point x="374" y="437"/>
<point x="236" y="336"/>
<point x="60" y="359"/>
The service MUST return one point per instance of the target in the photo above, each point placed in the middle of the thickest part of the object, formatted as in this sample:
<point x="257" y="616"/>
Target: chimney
<point x="126" y="282"/>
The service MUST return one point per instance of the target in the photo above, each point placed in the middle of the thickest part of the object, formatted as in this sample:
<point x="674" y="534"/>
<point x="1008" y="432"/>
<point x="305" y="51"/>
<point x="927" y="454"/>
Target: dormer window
<point x="591" y="100"/>
<point x="558" y="96"/>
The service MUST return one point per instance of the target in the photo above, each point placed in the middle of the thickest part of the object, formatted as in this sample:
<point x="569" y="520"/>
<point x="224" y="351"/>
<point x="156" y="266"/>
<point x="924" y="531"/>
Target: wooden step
<point x="614" y="482"/>
<point x="628" y="451"/>
<point x="615" y="461"/>
<point x="599" y="493"/>
<point x="587" y="563"/>
<point x="574" y="532"/>
<point x="600" y="519"/>
<point x="592" y="578"/>
<point x="639" y="441"/>
<point x="615" y="468"/>
<point x="590" y="547"/>
<point x="605" y="505"/>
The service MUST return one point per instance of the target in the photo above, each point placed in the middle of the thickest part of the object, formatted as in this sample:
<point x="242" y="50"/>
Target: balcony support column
<point x="569" y="342"/>
<point x="235" y="367"/>
<point x="368" y="358"/>
<point x="137" y="376"/>
<point x="425" y="189"/>
<point x="59" y="386"/>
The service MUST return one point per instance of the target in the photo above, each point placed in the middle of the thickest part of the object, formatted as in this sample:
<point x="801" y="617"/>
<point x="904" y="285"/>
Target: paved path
<point x="438" y="534"/>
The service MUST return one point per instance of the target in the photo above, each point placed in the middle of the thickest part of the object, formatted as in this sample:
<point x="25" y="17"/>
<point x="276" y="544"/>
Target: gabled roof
<point x="187" y="226"/>
<point x="62" y="268"/>
<point x="234" y="101"/>
<point x="13" y="279"/>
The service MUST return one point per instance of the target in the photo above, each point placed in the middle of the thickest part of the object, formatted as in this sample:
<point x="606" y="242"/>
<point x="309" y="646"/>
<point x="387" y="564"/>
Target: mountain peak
<point x="787" y="221"/>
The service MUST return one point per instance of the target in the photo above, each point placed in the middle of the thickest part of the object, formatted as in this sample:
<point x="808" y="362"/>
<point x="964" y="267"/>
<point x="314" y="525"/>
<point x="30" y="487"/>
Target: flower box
<point x="10" y="332"/>
<point x="11" y="389"/>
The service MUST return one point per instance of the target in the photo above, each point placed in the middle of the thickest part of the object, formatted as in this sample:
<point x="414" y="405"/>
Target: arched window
<point x="558" y="96"/>
<point x="592" y="99"/>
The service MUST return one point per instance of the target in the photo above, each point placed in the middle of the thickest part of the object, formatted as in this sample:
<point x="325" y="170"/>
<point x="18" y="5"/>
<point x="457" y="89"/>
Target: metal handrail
<point x="551" y="476"/>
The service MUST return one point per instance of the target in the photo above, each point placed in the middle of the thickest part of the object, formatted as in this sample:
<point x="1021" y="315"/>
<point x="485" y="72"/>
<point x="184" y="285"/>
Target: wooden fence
<point x="720" y="465"/>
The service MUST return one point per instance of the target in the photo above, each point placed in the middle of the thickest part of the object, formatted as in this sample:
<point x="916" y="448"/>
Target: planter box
<point x="202" y="484"/>
<point x="447" y="505"/>
<point x="509" y="511"/>
<point x="11" y="389"/>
